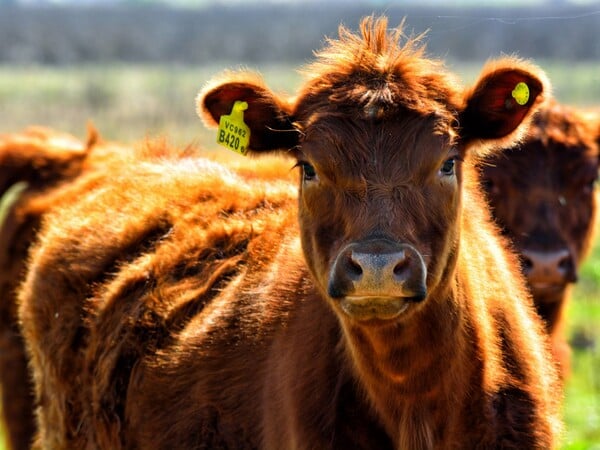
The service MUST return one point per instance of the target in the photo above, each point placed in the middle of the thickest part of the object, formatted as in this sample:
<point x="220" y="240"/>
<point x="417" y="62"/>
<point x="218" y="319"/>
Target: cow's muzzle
<point x="549" y="272"/>
<point x="377" y="279"/>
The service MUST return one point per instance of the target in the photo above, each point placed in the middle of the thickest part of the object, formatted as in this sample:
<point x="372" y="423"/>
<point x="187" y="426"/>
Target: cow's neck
<point x="407" y="370"/>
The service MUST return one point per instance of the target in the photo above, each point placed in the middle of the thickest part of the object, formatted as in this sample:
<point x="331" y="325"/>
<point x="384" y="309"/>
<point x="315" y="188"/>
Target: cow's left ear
<point x="498" y="107"/>
<point x="266" y="115"/>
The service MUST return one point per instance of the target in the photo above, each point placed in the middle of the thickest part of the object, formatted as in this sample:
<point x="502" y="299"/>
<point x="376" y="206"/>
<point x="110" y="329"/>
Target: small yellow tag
<point x="521" y="93"/>
<point x="233" y="133"/>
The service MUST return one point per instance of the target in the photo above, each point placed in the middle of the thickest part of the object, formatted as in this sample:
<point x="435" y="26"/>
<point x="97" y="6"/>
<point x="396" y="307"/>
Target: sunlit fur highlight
<point x="387" y="70"/>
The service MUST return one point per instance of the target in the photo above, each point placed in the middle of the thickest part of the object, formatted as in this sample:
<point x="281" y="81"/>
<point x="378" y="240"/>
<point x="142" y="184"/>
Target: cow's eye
<point x="447" y="168"/>
<point x="308" y="171"/>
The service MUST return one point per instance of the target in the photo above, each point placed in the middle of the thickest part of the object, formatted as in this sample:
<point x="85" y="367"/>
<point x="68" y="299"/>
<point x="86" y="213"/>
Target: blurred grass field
<point x="125" y="103"/>
<point x="129" y="103"/>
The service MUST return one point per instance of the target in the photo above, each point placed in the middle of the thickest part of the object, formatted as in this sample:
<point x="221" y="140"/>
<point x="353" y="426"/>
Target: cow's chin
<point x="548" y="293"/>
<point x="376" y="308"/>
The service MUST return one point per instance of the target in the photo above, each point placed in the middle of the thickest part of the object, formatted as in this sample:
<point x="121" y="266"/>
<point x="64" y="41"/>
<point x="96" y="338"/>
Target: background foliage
<point x="285" y="32"/>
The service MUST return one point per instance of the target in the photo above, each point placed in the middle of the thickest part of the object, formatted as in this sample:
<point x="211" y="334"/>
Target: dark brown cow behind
<point x="542" y="196"/>
<point x="182" y="306"/>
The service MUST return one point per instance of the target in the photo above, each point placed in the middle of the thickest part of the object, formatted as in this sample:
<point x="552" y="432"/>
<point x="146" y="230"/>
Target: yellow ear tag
<point x="521" y="93"/>
<point x="233" y="132"/>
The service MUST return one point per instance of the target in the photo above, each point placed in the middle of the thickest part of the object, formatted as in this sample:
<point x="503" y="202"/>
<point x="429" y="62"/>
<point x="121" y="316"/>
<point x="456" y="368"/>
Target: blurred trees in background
<point x="61" y="35"/>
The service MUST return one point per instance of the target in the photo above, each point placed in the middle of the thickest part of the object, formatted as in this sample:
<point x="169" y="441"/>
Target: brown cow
<point x="31" y="162"/>
<point x="37" y="168"/>
<point x="542" y="196"/>
<point x="182" y="306"/>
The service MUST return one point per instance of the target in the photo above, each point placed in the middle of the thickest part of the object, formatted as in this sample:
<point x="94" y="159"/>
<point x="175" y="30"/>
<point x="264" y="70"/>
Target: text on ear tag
<point x="233" y="133"/>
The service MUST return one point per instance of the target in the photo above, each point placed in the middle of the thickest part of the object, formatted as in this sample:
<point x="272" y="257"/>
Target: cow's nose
<point x="378" y="269"/>
<point x="549" y="268"/>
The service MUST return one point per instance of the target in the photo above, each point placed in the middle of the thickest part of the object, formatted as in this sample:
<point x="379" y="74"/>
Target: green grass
<point x="128" y="103"/>
<point x="125" y="103"/>
<point x="582" y="402"/>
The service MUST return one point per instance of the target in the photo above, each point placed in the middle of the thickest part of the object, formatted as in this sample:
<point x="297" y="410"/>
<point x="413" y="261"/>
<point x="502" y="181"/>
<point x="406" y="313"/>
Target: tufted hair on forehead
<point x="376" y="70"/>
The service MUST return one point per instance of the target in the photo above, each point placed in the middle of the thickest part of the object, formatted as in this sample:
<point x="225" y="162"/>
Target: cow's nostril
<point x="401" y="266"/>
<point x="565" y="263"/>
<point x="353" y="268"/>
<point x="567" y="268"/>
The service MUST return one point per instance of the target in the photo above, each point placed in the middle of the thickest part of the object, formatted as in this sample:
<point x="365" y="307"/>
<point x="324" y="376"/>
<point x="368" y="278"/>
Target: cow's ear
<point x="267" y="116"/>
<point x="498" y="107"/>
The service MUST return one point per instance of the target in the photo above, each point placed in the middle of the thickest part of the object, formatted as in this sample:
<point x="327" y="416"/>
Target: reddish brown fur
<point x="542" y="195"/>
<point x="40" y="160"/>
<point x="38" y="168"/>
<point x="189" y="310"/>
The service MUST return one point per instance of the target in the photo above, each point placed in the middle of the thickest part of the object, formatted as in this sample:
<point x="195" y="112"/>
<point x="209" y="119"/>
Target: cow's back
<point x="158" y="254"/>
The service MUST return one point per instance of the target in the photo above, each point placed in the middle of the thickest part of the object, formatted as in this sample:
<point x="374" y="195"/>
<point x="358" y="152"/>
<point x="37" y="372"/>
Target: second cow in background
<point x="542" y="196"/>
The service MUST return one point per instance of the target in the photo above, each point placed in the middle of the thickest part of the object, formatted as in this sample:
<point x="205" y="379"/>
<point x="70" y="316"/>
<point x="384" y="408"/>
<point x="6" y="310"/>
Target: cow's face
<point x="379" y="203"/>
<point x="542" y="196"/>
<point x="379" y="133"/>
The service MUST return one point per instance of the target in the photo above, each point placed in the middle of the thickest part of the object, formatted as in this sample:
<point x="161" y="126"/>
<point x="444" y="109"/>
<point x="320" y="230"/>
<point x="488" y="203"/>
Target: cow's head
<point x="542" y="195"/>
<point x="379" y="133"/>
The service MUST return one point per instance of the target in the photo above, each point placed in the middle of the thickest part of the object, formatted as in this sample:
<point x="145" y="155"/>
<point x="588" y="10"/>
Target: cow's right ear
<point x="267" y="116"/>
